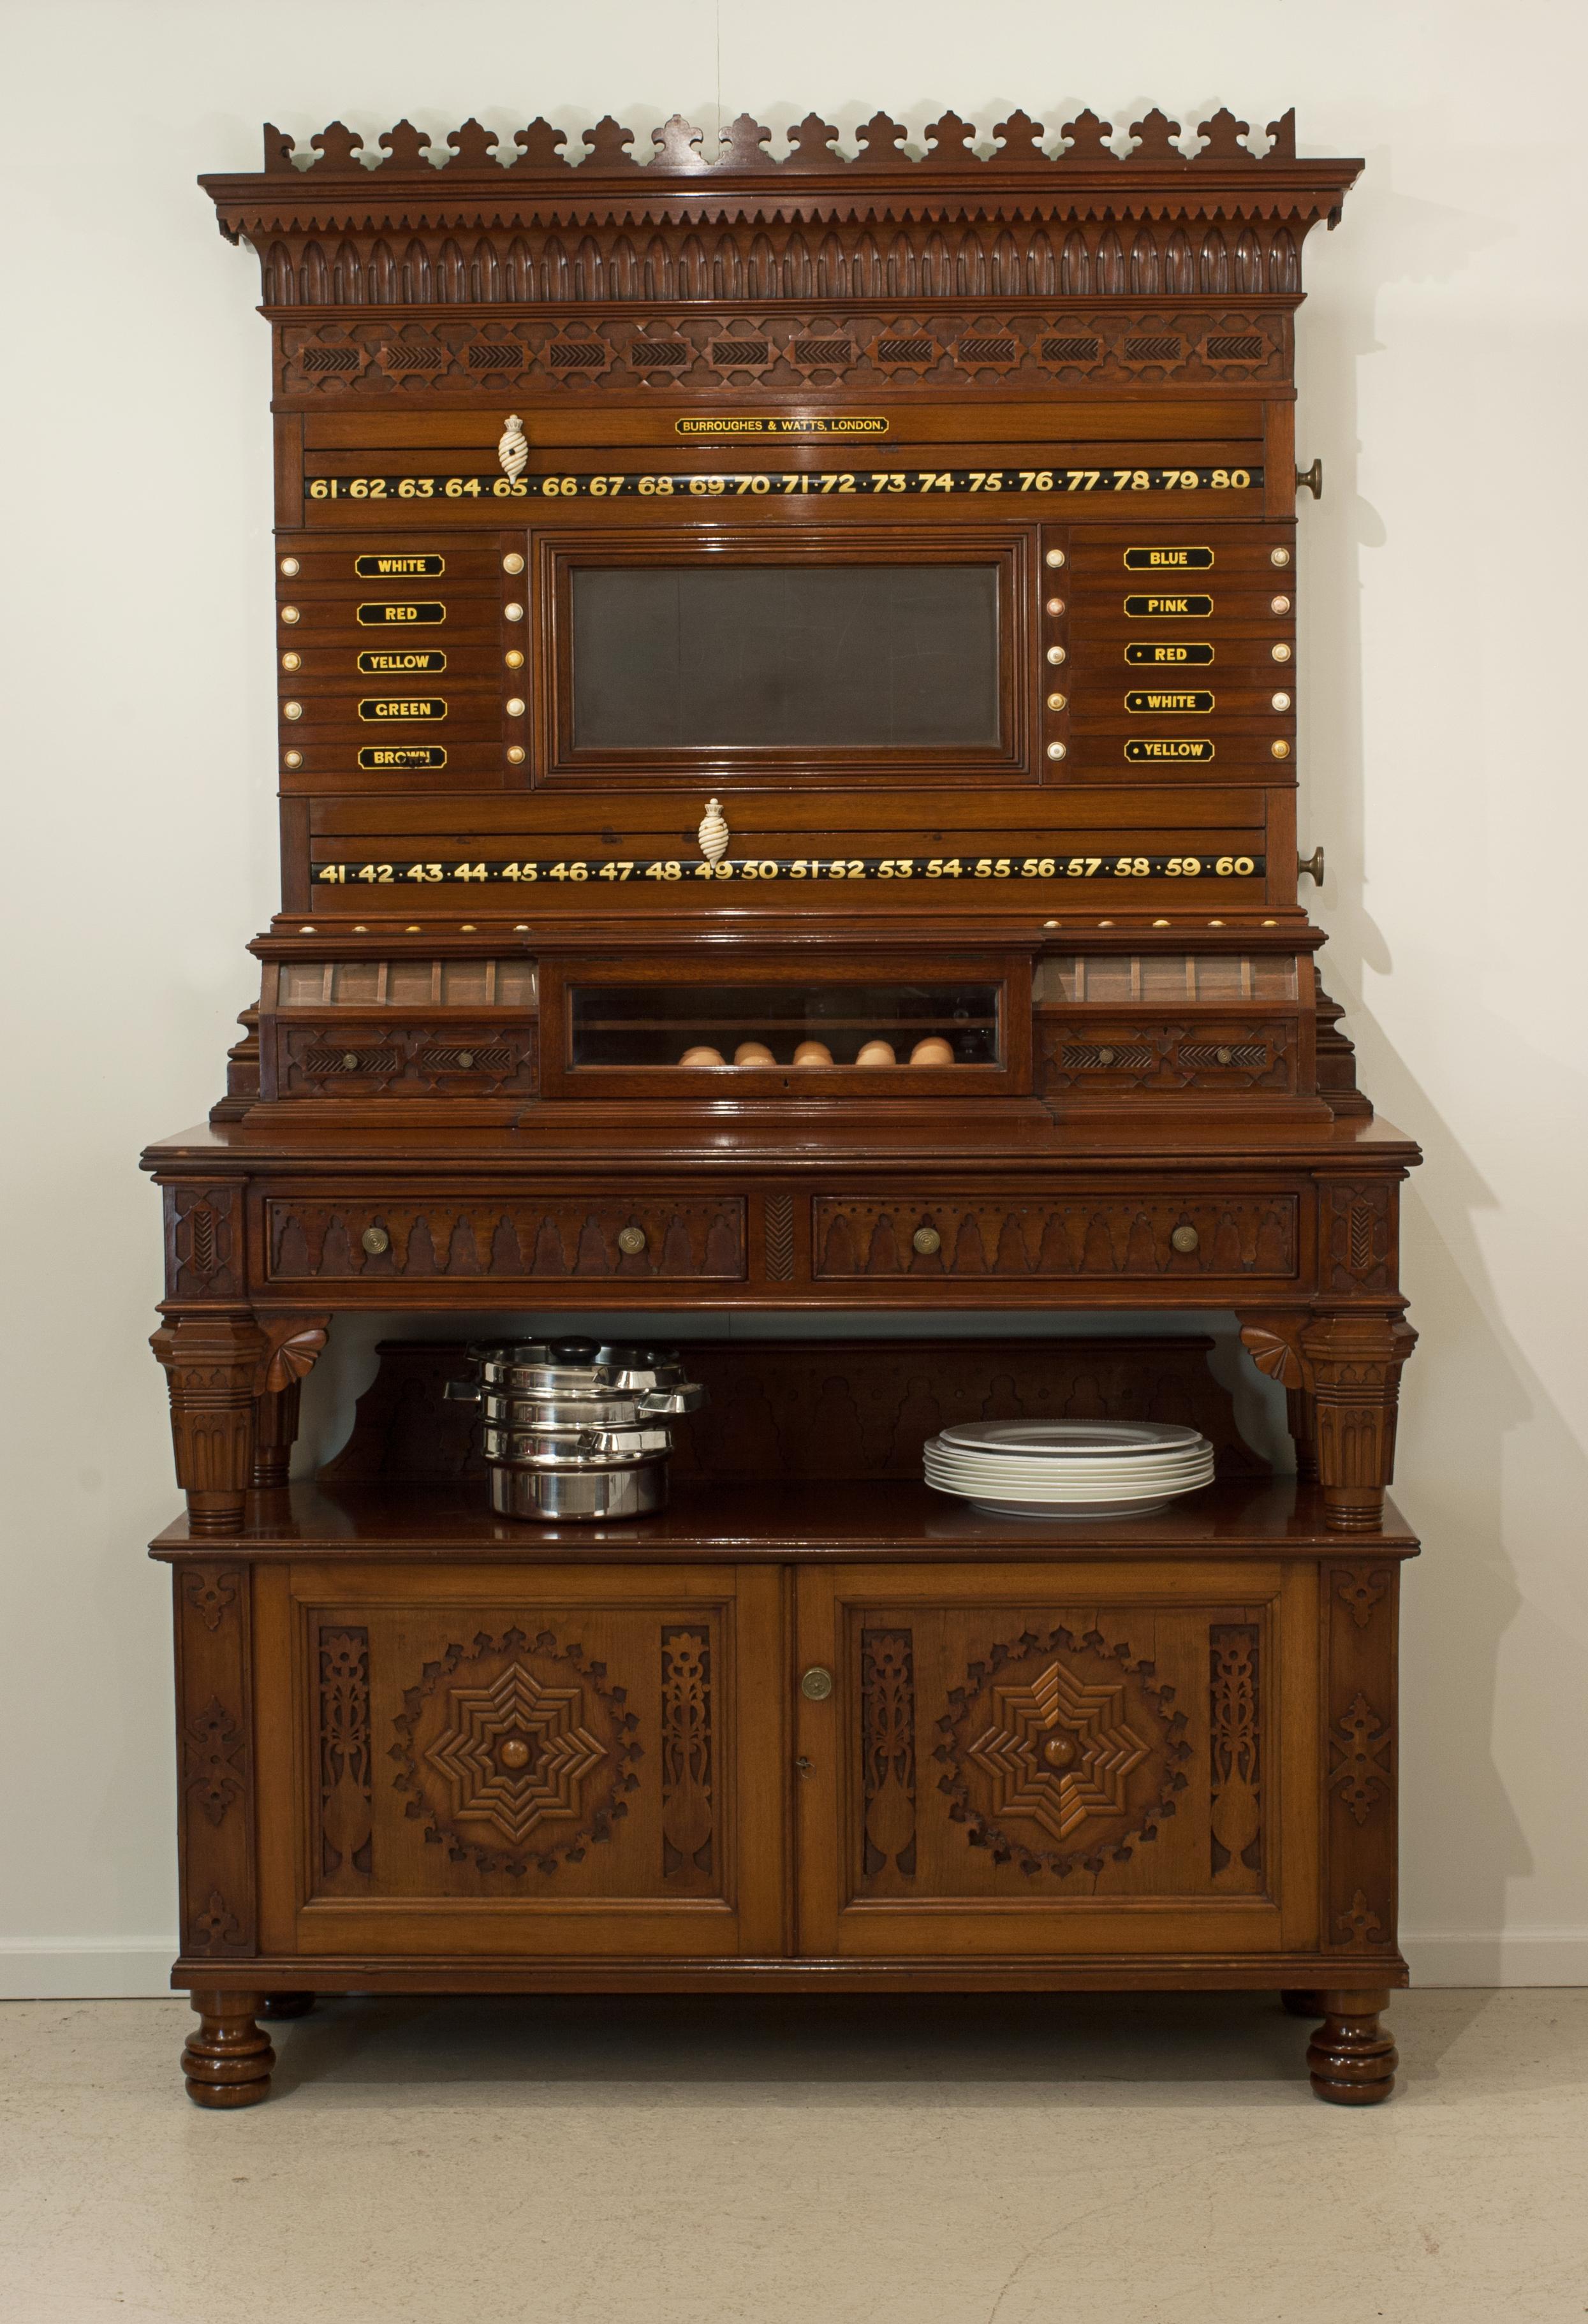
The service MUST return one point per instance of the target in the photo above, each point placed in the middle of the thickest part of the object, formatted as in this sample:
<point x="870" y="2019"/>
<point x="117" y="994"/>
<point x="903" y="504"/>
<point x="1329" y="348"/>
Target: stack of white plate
<point x="1068" y="1468"/>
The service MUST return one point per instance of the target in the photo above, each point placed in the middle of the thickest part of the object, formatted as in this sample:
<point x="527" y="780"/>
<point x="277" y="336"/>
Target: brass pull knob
<point x="630" y="1242"/>
<point x="466" y="1058"/>
<point x="350" y="1060"/>
<point x="376" y="1240"/>
<point x="816" y="1684"/>
<point x="1184" y="1239"/>
<point x="1312" y="866"/>
<point x="1224" y="1057"/>
<point x="1105" y="1056"/>
<point x="1311" y="480"/>
<point x="927" y="1240"/>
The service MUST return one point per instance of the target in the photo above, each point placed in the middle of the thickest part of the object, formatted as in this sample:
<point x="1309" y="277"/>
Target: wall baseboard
<point x="87" y="1969"/>
<point x="1496" y="1957"/>
<point x="109" y="1971"/>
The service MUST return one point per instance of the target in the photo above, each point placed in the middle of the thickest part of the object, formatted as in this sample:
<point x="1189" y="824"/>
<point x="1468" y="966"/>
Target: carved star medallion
<point x="1058" y="1750"/>
<point x="515" y="1754"/>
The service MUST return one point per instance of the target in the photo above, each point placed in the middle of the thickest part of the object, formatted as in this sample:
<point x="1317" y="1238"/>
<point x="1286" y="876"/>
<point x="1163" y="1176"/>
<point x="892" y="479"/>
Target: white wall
<point x="1442" y="755"/>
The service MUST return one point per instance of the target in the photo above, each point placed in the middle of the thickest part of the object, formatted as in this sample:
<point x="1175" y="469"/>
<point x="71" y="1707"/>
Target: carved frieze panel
<point x="1246" y="1055"/>
<point x="410" y="1242"/>
<point x="321" y="1061"/>
<point x="1154" y="1237"/>
<point x="901" y="350"/>
<point x="1236" y="1758"/>
<point x="685" y="1755"/>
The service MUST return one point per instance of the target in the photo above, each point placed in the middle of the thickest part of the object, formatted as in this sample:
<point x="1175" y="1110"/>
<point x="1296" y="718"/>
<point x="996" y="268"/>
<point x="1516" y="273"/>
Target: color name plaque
<point x="397" y="568"/>
<point x="377" y="707"/>
<point x="402" y="757"/>
<point x="1140" y="752"/>
<point x="374" y="663"/>
<point x="373" y="616"/>
<point x="1193" y="653"/>
<point x="1168" y="609"/>
<point x="1168" y="560"/>
<point x="1196" y="700"/>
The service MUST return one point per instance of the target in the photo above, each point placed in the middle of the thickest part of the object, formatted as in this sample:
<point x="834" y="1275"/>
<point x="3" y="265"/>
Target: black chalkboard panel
<point x="681" y="656"/>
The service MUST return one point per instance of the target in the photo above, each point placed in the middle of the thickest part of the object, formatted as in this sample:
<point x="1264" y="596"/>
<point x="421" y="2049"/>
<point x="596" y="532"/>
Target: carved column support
<point x="226" y="2058"/>
<point x="275" y="1431"/>
<point x="1353" y="1363"/>
<point x="1352" y="2057"/>
<point x="218" y="1362"/>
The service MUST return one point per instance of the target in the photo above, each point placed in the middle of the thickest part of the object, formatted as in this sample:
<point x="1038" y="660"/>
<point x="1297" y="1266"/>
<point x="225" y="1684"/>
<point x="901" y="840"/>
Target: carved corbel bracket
<point x="218" y="1362"/>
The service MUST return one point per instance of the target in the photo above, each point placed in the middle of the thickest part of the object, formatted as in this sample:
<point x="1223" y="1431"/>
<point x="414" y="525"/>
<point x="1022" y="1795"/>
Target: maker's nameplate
<point x="398" y="665"/>
<point x="1168" y="609"/>
<point x="373" y="616"/>
<point x="397" y="568"/>
<point x="1197" y="700"/>
<point x="733" y="423"/>
<point x="1167" y="560"/>
<point x="376" y="708"/>
<point x="1187" y="753"/>
<point x="939" y="874"/>
<point x="785" y="484"/>
<point x="1155" y="657"/>
<point x="402" y="756"/>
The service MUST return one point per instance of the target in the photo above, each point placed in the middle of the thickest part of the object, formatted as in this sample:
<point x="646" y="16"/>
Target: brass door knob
<point x="376" y="1240"/>
<point x="1311" y="480"/>
<point x="816" y="1684"/>
<point x="630" y="1242"/>
<point x="927" y="1240"/>
<point x="1184" y="1239"/>
<point x="1312" y="866"/>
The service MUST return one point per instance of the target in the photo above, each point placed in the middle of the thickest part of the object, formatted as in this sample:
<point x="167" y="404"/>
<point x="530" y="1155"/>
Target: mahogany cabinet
<point x="787" y="751"/>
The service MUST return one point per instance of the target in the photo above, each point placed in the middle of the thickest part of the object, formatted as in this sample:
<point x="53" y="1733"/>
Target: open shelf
<point x="870" y="1518"/>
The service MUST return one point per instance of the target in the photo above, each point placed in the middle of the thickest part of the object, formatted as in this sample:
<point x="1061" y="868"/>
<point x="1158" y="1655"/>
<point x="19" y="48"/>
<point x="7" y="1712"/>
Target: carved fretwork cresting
<point x="686" y="1809"/>
<point x="1235" y="1758"/>
<point x="1069" y="219"/>
<point x="886" y="1721"/>
<point x="346" y="1812"/>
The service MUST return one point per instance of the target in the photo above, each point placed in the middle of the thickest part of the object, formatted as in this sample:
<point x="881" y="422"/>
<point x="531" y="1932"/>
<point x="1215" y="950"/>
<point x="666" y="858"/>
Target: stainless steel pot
<point x="572" y="1428"/>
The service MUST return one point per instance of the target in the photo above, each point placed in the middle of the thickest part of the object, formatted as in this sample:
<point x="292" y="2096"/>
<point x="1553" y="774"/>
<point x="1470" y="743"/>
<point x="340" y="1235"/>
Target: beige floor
<point x="575" y="2162"/>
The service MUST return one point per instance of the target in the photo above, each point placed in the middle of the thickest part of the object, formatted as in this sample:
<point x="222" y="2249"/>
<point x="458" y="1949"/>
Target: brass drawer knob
<point x="1224" y="1057"/>
<point x="466" y="1058"/>
<point x="630" y="1242"/>
<point x="927" y="1240"/>
<point x="1105" y="1056"/>
<point x="1184" y="1239"/>
<point x="376" y="1240"/>
<point x="816" y="1684"/>
<point x="350" y="1060"/>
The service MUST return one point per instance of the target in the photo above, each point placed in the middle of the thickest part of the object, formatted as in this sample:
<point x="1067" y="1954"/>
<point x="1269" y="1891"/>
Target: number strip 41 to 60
<point x="667" y="871"/>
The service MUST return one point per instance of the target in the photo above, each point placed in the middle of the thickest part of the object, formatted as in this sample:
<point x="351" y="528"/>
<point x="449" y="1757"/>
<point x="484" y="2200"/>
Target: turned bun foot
<point x="1303" y="2003"/>
<point x="279" y="2006"/>
<point x="1352" y="2057"/>
<point x="227" y="2059"/>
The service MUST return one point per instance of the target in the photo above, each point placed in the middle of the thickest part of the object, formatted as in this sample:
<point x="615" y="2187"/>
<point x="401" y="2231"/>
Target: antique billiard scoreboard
<point x="789" y="765"/>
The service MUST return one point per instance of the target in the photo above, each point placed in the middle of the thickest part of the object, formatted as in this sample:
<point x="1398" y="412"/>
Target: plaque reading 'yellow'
<point x="1196" y="753"/>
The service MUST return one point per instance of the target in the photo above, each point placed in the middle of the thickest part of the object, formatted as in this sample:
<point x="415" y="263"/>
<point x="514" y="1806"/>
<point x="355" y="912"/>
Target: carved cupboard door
<point x="501" y="1761"/>
<point x="1076" y="1759"/>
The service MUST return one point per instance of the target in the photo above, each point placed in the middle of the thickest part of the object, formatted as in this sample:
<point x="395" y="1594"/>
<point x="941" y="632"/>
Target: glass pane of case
<point x="676" y="657"/>
<point x="706" y="1026"/>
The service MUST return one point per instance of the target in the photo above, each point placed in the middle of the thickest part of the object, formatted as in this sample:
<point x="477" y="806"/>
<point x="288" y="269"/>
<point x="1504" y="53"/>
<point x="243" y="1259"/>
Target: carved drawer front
<point x="1152" y="1237"/>
<point x="1084" y="1053"/>
<point x="553" y="1768"/>
<point x="1047" y="1773"/>
<point x="335" y="1060"/>
<point x="371" y="1241"/>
